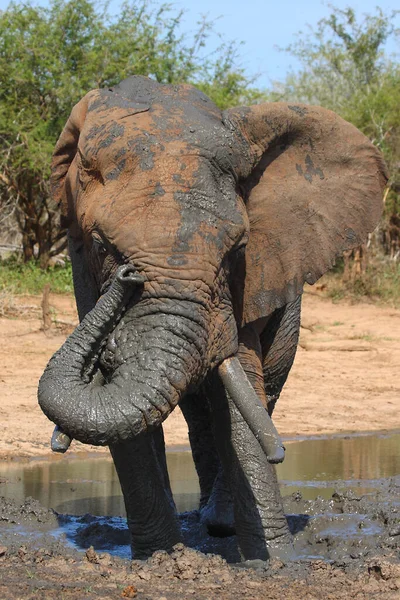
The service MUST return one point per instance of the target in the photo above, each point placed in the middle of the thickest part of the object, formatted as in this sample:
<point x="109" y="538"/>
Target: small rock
<point x="3" y="550"/>
<point x="129" y="592"/>
<point x="319" y="565"/>
<point x="253" y="584"/>
<point x="179" y="547"/>
<point x="38" y="557"/>
<point x="275" y="564"/>
<point x="143" y="574"/>
<point x="159" y="557"/>
<point x="91" y="555"/>
<point x="106" y="559"/>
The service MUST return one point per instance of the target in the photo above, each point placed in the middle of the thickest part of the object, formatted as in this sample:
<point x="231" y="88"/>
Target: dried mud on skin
<point x="356" y="566"/>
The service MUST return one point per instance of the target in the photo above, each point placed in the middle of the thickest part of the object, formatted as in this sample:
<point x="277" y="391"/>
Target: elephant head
<point x="204" y="221"/>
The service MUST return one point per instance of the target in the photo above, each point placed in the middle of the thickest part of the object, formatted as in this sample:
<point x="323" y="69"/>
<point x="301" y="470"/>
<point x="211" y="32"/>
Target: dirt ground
<point x="345" y="376"/>
<point x="187" y="574"/>
<point x="345" y="379"/>
<point x="356" y="565"/>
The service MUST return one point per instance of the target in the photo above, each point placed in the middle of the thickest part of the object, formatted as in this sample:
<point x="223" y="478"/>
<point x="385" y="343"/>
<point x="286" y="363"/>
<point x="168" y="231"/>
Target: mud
<point x="347" y="543"/>
<point x="347" y="546"/>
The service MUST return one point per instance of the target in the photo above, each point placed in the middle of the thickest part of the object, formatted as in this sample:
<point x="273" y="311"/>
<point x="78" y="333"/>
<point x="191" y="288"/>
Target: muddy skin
<point x="208" y="209"/>
<point x="335" y="556"/>
<point x="259" y="519"/>
<point x="253" y="412"/>
<point x="150" y="510"/>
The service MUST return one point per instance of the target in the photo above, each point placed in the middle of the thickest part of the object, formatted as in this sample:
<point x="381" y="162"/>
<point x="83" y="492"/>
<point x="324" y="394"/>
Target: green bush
<point x="380" y="283"/>
<point x="28" y="278"/>
<point x="52" y="55"/>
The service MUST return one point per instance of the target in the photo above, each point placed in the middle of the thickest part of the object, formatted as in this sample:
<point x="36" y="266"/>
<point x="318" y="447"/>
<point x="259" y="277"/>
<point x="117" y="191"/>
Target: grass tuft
<point x="20" y="278"/>
<point x="380" y="284"/>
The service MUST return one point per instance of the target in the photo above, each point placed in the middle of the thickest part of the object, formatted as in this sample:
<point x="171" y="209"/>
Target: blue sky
<point x="263" y="25"/>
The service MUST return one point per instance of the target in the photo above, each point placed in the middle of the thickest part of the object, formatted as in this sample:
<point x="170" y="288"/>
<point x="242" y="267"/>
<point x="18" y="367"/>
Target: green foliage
<point x="228" y="86"/>
<point x="345" y="68"/>
<point x="51" y="56"/>
<point x="28" y="278"/>
<point x="380" y="283"/>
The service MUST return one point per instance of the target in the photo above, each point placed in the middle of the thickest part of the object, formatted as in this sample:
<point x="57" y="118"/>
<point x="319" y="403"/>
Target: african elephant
<point x="191" y="234"/>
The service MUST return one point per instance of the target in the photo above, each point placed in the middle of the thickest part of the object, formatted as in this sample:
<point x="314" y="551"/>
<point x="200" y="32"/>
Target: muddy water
<point x="315" y="467"/>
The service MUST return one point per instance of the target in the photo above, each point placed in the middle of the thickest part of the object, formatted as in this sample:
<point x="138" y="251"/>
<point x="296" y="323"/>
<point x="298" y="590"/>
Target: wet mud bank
<point x="345" y="546"/>
<point x="341" y="497"/>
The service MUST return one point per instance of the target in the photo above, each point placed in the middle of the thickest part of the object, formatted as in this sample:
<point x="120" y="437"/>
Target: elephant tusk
<point x="245" y="398"/>
<point x="60" y="441"/>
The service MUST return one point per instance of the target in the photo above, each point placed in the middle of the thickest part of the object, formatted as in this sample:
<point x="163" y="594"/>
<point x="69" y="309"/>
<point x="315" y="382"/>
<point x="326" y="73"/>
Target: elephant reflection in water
<point x="191" y="234"/>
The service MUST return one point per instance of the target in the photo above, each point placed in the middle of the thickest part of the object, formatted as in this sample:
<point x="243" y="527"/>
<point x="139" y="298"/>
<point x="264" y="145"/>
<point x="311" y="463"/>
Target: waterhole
<point x="314" y="467"/>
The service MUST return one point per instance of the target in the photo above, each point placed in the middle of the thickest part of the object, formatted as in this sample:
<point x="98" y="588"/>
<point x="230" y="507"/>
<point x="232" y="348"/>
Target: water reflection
<point x="90" y="485"/>
<point x="355" y="457"/>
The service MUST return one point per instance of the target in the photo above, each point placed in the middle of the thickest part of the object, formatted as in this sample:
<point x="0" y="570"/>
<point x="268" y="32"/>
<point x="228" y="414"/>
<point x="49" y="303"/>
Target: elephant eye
<point x="241" y="244"/>
<point x="99" y="244"/>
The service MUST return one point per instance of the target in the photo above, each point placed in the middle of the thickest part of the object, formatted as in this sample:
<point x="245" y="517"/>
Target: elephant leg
<point x="218" y="513"/>
<point x="278" y="347"/>
<point x="197" y="415"/>
<point x="150" y="509"/>
<point x="216" y="506"/>
<point x="261" y="525"/>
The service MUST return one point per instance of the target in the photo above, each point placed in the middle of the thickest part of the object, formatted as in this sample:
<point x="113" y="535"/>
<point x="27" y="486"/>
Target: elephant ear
<point x="313" y="188"/>
<point x="64" y="154"/>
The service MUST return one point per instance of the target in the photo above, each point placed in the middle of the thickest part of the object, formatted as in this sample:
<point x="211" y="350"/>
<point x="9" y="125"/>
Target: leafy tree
<point x="51" y="56"/>
<point x="346" y="69"/>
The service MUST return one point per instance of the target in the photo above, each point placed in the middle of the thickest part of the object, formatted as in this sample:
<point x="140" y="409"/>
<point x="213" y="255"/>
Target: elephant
<point x="192" y="232"/>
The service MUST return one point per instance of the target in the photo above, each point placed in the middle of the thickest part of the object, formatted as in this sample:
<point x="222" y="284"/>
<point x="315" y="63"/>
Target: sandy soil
<point x="345" y="377"/>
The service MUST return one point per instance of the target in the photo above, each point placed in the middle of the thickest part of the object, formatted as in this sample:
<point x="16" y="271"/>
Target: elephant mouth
<point x="240" y="391"/>
<point x="146" y="367"/>
<point x="106" y="363"/>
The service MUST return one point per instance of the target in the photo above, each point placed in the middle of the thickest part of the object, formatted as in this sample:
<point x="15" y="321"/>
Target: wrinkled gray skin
<point x="232" y="459"/>
<point x="242" y="493"/>
<point x="156" y="186"/>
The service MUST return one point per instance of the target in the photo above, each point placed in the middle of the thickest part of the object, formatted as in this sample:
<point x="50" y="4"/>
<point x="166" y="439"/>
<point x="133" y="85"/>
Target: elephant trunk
<point x="161" y="359"/>
<point x="143" y="389"/>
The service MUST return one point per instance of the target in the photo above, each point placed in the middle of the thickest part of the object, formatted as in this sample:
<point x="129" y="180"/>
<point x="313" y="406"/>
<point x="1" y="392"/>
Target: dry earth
<point x="345" y="377"/>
